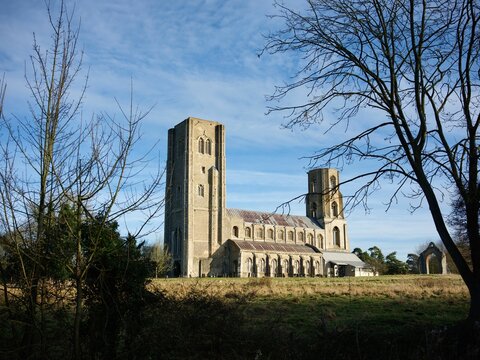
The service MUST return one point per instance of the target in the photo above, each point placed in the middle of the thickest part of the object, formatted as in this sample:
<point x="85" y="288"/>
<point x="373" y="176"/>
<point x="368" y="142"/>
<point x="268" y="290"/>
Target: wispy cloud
<point x="199" y="58"/>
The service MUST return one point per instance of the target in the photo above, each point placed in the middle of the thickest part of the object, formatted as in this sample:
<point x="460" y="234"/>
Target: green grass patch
<point x="388" y="317"/>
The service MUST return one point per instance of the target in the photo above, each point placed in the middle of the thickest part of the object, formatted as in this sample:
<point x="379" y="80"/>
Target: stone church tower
<point x="324" y="202"/>
<point x="195" y="193"/>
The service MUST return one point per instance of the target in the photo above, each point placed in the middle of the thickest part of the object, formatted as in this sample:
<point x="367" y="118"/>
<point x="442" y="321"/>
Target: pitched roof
<point x="274" y="219"/>
<point x="275" y="247"/>
<point x="343" y="258"/>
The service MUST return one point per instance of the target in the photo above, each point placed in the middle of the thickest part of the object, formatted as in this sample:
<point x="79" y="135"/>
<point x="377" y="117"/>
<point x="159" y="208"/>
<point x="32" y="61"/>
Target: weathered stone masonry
<point x="207" y="239"/>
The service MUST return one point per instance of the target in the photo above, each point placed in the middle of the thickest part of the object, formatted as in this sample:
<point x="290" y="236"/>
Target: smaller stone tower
<point x="324" y="202"/>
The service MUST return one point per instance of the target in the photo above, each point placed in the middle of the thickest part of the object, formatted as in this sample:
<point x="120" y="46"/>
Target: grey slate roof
<point x="275" y="247"/>
<point x="258" y="217"/>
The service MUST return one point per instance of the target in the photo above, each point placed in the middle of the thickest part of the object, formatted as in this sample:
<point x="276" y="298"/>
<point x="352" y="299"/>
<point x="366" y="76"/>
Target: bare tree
<point x="415" y="62"/>
<point x="3" y="89"/>
<point x="92" y="165"/>
<point x="161" y="257"/>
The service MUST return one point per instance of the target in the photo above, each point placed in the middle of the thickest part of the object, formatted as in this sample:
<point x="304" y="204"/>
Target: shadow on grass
<point x="198" y="324"/>
<point x="362" y="328"/>
<point x="246" y="325"/>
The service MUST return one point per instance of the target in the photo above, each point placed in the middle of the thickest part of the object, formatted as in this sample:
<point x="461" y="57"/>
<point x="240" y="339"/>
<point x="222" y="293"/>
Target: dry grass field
<point x="394" y="287"/>
<point x="387" y="317"/>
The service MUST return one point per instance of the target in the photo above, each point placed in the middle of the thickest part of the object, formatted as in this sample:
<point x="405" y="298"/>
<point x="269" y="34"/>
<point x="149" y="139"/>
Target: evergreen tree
<point x="395" y="266"/>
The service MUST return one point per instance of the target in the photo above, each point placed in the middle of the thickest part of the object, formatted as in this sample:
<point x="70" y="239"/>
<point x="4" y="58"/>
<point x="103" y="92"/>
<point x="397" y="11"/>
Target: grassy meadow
<point x="387" y="317"/>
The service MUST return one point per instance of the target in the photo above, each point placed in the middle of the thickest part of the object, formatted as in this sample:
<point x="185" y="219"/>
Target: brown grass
<point x="394" y="287"/>
<point x="386" y="317"/>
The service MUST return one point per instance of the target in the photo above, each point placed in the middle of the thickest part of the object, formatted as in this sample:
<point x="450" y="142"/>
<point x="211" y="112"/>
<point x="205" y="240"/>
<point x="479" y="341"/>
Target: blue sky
<point x="199" y="58"/>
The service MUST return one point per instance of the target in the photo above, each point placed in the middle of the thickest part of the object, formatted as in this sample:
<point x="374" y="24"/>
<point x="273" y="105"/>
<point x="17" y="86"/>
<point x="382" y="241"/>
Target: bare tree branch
<point x="417" y="63"/>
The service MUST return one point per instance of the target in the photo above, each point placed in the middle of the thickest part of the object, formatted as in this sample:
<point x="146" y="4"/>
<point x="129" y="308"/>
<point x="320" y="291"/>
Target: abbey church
<point x="207" y="239"/>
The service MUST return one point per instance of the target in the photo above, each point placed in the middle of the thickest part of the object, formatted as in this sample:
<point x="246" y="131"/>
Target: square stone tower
<point x="195" y="194"/>
<point x="324" y="202"/>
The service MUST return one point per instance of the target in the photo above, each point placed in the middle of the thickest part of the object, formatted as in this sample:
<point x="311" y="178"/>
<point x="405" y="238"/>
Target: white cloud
<point x="200" y="59"/>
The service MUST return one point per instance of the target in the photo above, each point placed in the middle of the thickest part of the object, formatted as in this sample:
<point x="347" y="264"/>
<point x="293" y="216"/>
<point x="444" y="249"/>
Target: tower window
<point x="334" y="209"/>
<point x="201" y="146"/>
<point x="336" y="236"/>
<point x="314" y="210"/>
<point x="235" y="231"/>
<point x="208" y="147"/>
<point x="333" y="182"/>
<point x="203" y="169"/>
<point x="248" y="232"/>
<point x="201" y="190"/>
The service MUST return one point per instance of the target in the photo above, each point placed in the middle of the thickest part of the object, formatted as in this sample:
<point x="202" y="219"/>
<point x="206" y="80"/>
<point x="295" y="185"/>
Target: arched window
<point x="336" y="236"/>
<point x="259" y="233"/>
<point x="262" y="265"/>
<point x="296" y="267"/>
<point x="285" y="266"/>
<point x="310" y="239"/>
<point x="248" y="232"/>
<point x="333" y="182"/>
<point x="249" y="266"/>
<point x="177" y="241"/>
<point x="235" y="231"/>
<point x="308" y="269"/>
<point x="270" y="234"/>
<point x="274" y="269"/>
<point x="172" y="242"/>
<point x="314" y="210"/>
<point x="317" y="267"/>
<point x="281" y="235"/>
<point x="320" y="241"/>
<point x="208" y="147"/>
<point x="201" y="190"/>
<point x="290" y="235"/>
<point x="334" y="209"/>
<point x="300" y="236"/>
<point x="201" y="146"/>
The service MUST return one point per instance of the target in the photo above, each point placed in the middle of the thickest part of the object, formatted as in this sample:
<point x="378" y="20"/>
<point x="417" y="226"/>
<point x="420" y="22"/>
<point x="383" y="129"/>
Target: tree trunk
<point x="78" y="281"/>
<point x="78" y="318"/>
<point x="470" y="277"/>
<point x="474" y="313"/>
<point x="28" y="339"/>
